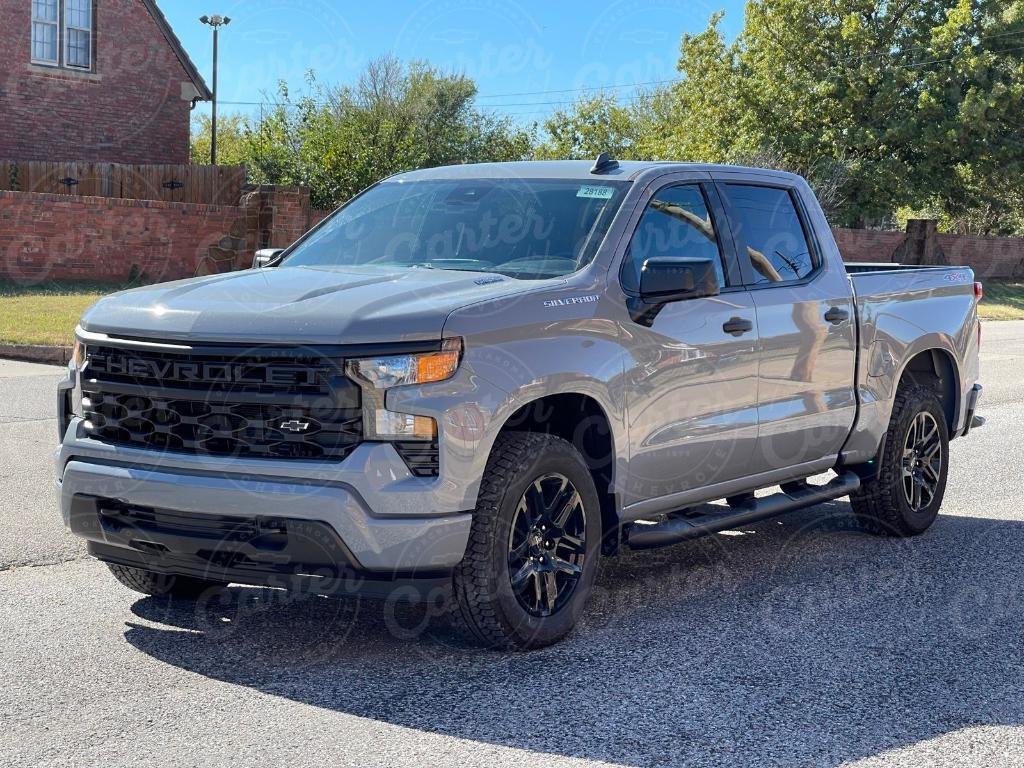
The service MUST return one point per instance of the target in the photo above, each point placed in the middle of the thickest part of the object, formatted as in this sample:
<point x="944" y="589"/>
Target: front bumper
<point x="297" y="533"/>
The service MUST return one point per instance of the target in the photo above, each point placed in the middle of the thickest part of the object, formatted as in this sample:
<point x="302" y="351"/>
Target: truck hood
<point x="352" y="305"/>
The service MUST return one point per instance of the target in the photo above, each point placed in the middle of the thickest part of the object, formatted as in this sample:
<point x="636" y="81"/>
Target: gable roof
<point x="179" y="50"/>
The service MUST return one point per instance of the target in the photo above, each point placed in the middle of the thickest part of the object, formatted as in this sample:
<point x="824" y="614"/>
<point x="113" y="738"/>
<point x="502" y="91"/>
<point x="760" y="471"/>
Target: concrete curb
<point x="36" y="353"/>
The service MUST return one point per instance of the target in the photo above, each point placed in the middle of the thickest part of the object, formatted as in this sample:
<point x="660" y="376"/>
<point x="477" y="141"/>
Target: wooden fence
<point x="211" y="184"/>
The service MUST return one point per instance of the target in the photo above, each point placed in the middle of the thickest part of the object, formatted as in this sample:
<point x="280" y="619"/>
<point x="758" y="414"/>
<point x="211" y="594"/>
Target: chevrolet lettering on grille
<point x="212" y="373"/>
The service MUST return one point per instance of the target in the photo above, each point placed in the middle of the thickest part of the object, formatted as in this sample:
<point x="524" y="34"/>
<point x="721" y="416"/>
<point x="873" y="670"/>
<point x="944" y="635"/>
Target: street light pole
<point x="216" y="22"/>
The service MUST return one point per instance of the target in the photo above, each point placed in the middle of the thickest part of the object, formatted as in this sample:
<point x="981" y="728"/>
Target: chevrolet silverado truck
<point x="472" y="383"/>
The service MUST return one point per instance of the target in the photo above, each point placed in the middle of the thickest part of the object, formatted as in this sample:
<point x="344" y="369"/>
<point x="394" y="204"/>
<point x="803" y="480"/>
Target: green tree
<point x="231" y="134"/>
<point x="599" y="123"/>
<point x="396" y="117"/>
<point x="920" y="101"/>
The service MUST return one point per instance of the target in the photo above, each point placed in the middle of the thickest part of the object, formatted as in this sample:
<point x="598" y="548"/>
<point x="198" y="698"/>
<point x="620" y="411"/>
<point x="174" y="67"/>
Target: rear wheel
<point x="534" y="544"/>
<point x="904" y="496"/>
<point x="161" y="584"/>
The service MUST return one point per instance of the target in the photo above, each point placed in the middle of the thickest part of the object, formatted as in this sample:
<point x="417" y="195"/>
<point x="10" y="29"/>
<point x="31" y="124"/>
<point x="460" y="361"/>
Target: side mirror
<point x="265" y="257"/>
<point x="664" y="279"/>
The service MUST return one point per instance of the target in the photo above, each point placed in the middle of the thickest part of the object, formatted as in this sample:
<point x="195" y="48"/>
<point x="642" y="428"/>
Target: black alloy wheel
<point x="922" y="461"/>
<point x="534" y="545"/>
<point x="547" y="545"/>
<point x="902" y="490"/>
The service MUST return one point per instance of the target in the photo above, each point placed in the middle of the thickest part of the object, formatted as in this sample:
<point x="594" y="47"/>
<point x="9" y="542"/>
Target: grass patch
<point x="1004" y="300"/>
<point x="46" y="313"/>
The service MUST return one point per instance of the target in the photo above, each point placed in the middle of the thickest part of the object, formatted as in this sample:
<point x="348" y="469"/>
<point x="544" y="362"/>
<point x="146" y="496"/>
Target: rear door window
<point x="769" y="233"/>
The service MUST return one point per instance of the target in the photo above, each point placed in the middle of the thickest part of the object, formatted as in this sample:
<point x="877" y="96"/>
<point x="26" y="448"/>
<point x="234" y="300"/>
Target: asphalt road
<point x="797" y="642"/>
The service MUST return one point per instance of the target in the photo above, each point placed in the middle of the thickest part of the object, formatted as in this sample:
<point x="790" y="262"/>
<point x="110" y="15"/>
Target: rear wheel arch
<point x="936" y="369"/>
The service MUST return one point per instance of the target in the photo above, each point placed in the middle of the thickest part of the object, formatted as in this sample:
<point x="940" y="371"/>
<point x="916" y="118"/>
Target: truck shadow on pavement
<point x="796" y="641"/>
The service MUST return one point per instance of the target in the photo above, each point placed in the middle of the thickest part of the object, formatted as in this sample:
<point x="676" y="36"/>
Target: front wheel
<point x="534" y="544"/>
<point x="904" y="496"/>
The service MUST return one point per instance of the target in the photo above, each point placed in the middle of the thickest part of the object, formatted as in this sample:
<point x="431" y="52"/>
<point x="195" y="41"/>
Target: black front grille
<point x="269" y="405"/>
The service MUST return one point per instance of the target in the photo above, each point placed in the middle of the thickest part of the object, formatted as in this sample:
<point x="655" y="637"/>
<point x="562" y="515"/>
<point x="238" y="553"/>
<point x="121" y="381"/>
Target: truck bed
<point x="908" y="284"/>
<point x="902" y="309"/>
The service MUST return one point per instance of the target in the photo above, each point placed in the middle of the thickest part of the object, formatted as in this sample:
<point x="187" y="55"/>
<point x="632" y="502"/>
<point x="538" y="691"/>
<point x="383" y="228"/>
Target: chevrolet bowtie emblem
<point x="294" y="425"/>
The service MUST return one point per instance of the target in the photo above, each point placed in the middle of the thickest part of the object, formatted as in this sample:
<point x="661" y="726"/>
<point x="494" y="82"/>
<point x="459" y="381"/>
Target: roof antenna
<point x="603" y="164"/>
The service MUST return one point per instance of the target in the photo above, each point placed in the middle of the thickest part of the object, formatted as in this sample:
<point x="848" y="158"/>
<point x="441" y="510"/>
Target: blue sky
<point x="509" y="47"/>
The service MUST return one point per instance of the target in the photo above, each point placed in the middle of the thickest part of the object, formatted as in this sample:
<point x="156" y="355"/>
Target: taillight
<point x="979" y="292"/>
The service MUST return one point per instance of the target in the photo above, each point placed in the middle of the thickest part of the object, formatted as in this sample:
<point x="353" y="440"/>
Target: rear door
<point x="805" y="319"/>
<point x="691" y="391"/>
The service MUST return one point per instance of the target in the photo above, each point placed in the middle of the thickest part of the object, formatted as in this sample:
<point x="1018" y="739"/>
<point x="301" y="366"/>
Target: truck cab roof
<point x="623" y="170"/>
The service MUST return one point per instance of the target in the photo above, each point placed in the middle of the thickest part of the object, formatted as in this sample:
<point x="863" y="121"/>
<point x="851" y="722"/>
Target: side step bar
<point x="793" y="496"/>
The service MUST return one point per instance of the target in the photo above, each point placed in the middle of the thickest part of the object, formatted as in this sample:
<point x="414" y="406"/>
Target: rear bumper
<point x="971" y="419"/>
<point x="249" y="530"/>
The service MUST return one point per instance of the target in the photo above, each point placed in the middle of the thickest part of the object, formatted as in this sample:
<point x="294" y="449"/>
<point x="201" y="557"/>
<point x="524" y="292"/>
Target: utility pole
<point x="216" y="22"/>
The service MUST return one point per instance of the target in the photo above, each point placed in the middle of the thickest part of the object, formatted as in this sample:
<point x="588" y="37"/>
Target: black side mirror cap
<point x="664" y="279"/>
<point x="265" y="257"/>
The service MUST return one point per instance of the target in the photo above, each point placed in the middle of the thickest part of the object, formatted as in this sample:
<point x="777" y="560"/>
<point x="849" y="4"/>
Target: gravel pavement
<point x="796" y="642"/>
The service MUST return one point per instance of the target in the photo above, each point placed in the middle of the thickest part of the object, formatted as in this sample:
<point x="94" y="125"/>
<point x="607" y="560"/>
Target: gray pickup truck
<point x="471" y="383"/>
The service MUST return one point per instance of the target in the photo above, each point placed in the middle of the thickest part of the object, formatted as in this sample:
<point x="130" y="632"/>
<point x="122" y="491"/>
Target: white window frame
<point x="63" y="28"/>
<point x="67" y="37"/>
<point x="55" y="24"/>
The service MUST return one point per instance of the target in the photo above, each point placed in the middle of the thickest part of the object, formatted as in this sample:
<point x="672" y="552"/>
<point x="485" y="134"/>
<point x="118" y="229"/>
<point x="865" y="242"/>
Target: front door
<point x="805" y="320"/>
<point x="691" y="391"/>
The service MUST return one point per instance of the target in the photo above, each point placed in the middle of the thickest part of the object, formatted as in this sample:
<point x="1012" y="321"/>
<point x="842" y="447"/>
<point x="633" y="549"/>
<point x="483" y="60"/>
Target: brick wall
<point x="989" y="257"/>
<point x="67" y="237"/>
<point x="57" y="237"/>
<point x="316" y="215"/>
<point x="867" y="245"/>
<point x="130" y="110"/>
<point x="992" y="257"/>
<point x="289" y="210"/>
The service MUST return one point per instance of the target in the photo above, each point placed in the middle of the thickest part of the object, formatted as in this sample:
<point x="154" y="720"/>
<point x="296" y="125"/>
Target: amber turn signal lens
<point x="436" y="366"/>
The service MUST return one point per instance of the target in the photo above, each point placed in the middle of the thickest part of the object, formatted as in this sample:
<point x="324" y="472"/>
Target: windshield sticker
<point x="598" y="193"/>
<point x="568" y="302"/>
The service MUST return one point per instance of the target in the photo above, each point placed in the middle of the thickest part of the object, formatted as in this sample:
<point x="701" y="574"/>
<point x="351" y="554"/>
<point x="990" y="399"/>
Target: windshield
<point x="524" y="228"/>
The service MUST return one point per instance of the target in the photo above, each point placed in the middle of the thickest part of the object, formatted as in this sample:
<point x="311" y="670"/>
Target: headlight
<point x="380" y="373"/>
<point x="400" y="370"/>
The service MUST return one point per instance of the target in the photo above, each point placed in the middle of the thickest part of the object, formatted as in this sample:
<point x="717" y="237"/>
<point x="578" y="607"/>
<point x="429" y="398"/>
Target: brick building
<point x="94" y="80"/>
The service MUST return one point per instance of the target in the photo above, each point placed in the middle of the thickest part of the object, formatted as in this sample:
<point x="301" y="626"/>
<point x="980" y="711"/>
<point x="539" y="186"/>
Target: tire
<point x="161" y="584"/>
<point x="885" y="504"/>
<point x="517" y="586"/>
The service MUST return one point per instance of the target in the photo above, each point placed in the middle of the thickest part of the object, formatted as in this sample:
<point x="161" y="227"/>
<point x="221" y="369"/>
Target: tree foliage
<point x="231" y="133"/>
<point x="890" y="109"/>
<point x="910" y="103"/>
<point x="598" y="123"/>
<point x="338" y="141"/>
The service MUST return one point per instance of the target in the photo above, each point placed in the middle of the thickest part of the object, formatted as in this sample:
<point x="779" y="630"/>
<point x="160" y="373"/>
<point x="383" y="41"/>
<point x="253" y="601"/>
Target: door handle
<point x="737" y="326"/>
<point x="835" y="315"/>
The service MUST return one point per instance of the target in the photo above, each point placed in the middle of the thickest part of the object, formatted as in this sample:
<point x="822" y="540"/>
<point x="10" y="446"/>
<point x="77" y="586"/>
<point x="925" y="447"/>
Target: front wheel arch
<point x="582" y="422"/>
